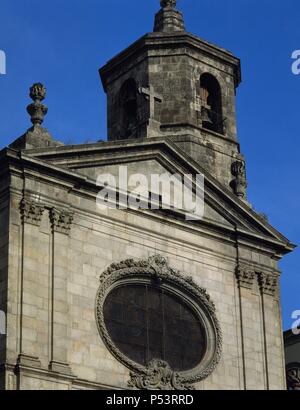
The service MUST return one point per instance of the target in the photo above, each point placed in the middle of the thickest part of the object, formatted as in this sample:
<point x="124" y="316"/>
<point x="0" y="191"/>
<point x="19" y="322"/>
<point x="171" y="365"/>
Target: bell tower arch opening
<point x="128" y="108"/>
<point x="211" y="103"/>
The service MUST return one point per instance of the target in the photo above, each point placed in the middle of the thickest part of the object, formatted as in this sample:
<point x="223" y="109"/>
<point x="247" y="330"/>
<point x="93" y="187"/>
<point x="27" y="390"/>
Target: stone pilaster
<point x="61" y="221"/>
<point x="251" y="327"/>
<point x="271" y="315"/>
<point x="31" y="216"/>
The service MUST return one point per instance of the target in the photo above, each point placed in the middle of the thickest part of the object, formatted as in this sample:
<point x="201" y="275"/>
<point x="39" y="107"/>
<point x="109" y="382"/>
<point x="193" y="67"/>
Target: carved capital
<point x="245" y="276"/>
<point x="268" y="283"/>
<point x="61" y="220"/>
<point x="158" y="376"/>
<point x="31" y="212"/>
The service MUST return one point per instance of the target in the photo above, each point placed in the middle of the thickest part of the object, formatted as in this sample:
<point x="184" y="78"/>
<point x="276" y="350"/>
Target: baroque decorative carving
<point x="61" y="220"/>
<point x="37" y="110"/>
<point x="245" y="276"/>
<point x="31" y="212"/>
<point x="37" y="92"/>
<point x="293" y="378"/>
<point x="239" y="183"/>
<point x="157" y="269"/>
<point x="268" y="283"/>
<point x="158" y="376"/>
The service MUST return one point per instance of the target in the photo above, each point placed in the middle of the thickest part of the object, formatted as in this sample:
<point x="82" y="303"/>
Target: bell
<point x="206" y="116"/>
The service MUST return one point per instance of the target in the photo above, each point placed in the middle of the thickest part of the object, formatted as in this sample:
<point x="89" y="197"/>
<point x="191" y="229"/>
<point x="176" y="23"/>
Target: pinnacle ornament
<point x="37" y="110"/>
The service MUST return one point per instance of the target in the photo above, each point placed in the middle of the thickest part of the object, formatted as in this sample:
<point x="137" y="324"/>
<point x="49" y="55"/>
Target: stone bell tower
<point x="171" y="83"/>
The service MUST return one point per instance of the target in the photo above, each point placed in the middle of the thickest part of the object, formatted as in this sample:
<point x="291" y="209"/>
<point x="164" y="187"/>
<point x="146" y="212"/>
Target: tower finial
<point x="168" y="19"/>
<point x="168" y="3"/>
<point x="37" y="110"/>
<point x="36" y="136"/>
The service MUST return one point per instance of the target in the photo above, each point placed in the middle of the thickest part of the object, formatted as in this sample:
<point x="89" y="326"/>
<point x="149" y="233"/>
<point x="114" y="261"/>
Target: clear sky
<point x="62" y="43"/>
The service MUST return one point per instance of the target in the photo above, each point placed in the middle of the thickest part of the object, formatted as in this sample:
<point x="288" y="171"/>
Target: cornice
<point x="163" y="145"/>
<point x="51" y="376"/>
<point x="40" y="164"/>
<point x="164" y="40"/>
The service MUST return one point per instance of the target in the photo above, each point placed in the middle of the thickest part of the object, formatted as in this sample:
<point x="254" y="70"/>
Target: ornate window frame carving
<point x="156" y="268"/>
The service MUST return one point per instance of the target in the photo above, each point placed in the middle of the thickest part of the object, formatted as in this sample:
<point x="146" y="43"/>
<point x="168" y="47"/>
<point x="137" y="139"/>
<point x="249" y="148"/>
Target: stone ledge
<point x="25" y="360"/>
<point x="60" y="367"/>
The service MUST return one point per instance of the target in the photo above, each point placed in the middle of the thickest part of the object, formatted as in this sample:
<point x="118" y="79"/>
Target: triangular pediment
<point x="222" y="208"/>
<point x="147" y="167"/>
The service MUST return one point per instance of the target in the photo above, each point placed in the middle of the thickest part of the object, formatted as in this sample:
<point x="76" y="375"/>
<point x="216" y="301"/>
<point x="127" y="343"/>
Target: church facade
<point x="121" y="297"/>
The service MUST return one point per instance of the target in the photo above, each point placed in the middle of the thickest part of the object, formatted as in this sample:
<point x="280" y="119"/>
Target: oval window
<point x="159" y="323"/>
<point x="148" y="322"/>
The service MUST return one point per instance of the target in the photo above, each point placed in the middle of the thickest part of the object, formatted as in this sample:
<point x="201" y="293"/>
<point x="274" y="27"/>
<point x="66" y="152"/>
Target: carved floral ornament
<point x="157" y="374"/>
<point x="247" y="275"/>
